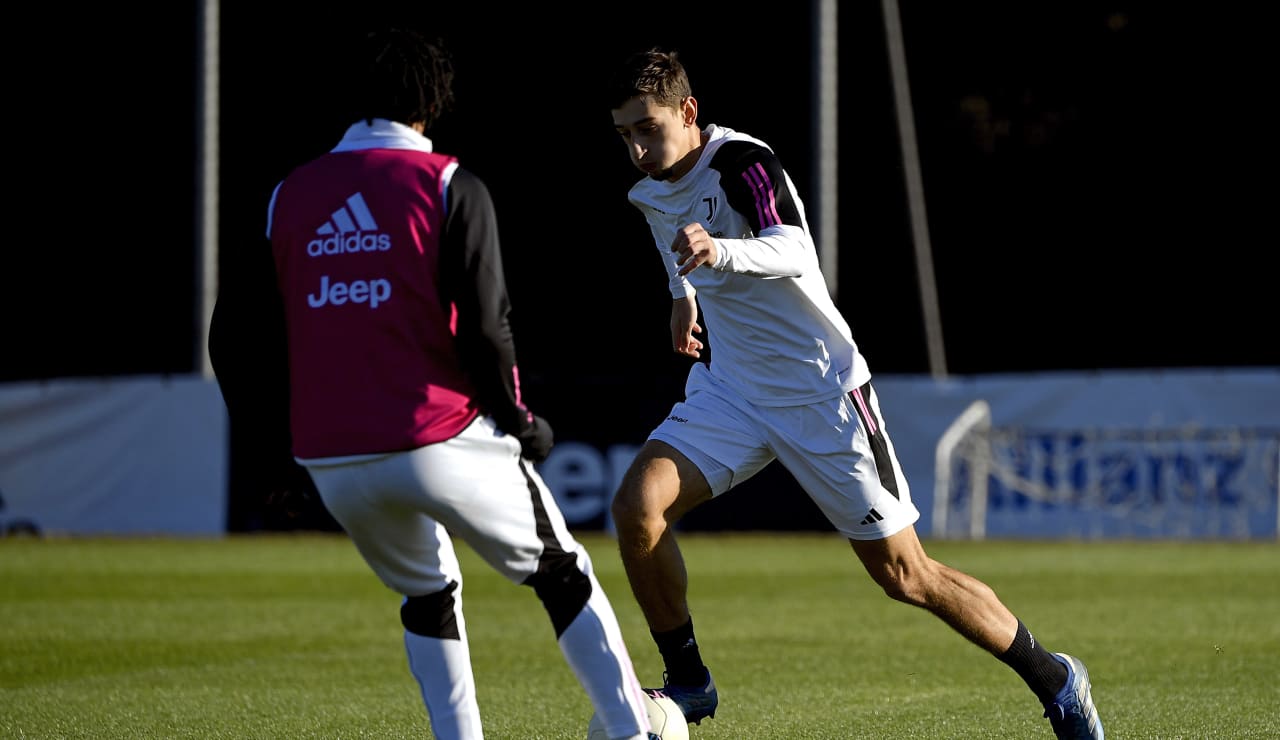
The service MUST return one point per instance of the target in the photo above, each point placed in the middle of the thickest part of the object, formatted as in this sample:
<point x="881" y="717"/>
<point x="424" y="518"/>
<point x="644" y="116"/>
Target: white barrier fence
<point x="118" y="456"/>
<point x="150" y="455"/>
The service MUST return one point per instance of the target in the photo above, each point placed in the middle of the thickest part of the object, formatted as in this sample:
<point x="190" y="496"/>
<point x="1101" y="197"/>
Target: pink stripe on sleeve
<point x="766" y="206"/>
<point x="515" y="377"/>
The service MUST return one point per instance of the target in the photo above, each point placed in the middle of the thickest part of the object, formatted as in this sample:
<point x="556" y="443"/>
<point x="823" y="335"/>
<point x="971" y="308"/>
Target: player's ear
<point x="689" y="111"/>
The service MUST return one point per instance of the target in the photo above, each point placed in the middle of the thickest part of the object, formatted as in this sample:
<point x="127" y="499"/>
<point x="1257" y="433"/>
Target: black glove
<point x="292" y="493"/>
<point x="536" y="440"/>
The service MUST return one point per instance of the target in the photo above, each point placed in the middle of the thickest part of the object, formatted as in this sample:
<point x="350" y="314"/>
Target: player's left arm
<point x="757" y="187"/>
<point x="474" y="280"/>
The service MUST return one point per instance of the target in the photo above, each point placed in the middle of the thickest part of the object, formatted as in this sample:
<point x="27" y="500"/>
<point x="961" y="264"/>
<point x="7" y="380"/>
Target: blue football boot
<point x="695" y="702"/>
<point x="1072" y="713"/>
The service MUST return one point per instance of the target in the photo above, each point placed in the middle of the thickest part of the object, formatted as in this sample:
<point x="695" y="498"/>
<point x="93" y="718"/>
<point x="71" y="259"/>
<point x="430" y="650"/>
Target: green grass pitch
<point x="289" y="636"/>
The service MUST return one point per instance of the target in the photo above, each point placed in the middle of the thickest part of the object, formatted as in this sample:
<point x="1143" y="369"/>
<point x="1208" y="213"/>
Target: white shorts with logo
<point x="837" y="450"/>
<point x="401" y="509"/>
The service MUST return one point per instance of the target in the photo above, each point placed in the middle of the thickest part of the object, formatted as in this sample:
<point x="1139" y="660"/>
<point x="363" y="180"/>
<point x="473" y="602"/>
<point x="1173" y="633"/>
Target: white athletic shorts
<point x="400" y="509"/>
<point x="837" y="450"/>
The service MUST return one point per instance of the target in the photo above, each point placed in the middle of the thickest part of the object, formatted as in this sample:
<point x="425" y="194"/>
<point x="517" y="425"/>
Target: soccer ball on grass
<point x="665" y="720"/>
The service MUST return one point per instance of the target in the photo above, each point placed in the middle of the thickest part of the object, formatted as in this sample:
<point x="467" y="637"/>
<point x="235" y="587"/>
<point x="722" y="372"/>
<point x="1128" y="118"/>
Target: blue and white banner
<point x="1163" y="453"/>
<point x="1167" y="453"/>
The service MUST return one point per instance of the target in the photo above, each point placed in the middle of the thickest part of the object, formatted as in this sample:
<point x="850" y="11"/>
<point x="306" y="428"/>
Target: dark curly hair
<point x="402" y="76"/>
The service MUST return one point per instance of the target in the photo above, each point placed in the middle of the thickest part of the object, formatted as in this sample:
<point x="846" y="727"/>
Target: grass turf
<point x="289" y="636"/>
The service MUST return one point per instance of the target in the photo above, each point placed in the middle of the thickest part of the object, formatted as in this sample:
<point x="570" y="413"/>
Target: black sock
<point x="1044" y="673"/>
<point x="680" y="655"/>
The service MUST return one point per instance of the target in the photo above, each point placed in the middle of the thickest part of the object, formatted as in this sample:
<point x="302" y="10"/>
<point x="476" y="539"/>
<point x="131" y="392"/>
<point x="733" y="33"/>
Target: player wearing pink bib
<point x="404" y="404"/>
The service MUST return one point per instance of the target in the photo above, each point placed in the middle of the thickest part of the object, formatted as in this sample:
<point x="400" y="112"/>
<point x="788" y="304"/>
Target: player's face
<point x="658" y="138"/>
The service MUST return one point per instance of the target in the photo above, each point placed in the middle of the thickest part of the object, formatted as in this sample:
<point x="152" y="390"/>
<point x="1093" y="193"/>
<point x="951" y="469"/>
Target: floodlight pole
<point x="915" y="190"/>
<point x="825" y="74"/>
<point x="206" y="278"/>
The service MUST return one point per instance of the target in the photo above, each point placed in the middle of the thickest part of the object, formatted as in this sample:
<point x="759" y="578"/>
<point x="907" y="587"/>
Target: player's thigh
<point x="410" y="552"/>
<point x="711" y="441"/>
<point x="660" y="482"/>
<point x="481" y="488"/>
<point x="839" y="453"/>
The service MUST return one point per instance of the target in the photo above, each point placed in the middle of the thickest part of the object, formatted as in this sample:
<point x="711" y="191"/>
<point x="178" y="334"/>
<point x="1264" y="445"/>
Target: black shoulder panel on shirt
<point x="750" y="174"/>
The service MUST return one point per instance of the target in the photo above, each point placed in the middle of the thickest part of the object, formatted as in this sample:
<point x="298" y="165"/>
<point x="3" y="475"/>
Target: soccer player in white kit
<point x="403" y="392"/>
<point x="785" y="382"/>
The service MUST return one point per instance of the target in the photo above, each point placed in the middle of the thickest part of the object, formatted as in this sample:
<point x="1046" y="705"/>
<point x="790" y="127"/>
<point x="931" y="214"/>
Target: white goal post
<point x="971" y="429"/>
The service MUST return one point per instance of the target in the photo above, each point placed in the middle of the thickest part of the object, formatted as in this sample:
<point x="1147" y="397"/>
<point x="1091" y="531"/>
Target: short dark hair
<point x="401" y="75"/>
<point x="653" y="73"/>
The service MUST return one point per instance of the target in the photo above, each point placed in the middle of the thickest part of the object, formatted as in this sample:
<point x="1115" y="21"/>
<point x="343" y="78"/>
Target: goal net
<point x="1016" y="481"/>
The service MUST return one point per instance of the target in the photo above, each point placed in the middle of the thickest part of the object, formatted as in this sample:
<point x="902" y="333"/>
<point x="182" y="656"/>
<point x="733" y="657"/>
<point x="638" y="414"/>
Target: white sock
<point x="443" y="671"/>
<point x="594" y="649"/>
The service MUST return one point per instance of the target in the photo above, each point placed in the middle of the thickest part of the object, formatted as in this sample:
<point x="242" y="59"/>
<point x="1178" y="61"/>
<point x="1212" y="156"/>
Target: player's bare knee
<point x="563" y="588"/>
<point x="910" y="585"/>
<point x="432" y="615"/>
<point x="900" y="590"/>
<point x="624" y="506"/>
<point x="636" y="516"/>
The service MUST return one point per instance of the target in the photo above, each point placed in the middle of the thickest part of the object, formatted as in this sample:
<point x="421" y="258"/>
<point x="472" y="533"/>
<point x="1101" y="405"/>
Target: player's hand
<point x="536" y="441"/>
<point x="292" y="493"/>
<point x="684" y="324"/>
<point x="693" y="247"/>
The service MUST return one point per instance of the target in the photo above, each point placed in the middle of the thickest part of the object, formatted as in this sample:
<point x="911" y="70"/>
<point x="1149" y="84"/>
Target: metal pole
<point x="915" y="190"/>
<point x="826" y="99"/>
<point x="206" y="286"/>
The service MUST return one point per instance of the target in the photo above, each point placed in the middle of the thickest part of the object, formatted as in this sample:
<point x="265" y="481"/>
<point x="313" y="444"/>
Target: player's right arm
<point x="684" y="324"/>
<point x="248" y="352"/>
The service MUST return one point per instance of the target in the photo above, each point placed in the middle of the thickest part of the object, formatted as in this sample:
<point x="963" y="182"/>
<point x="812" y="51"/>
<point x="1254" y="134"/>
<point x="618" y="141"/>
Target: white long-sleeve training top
<point x="776" y="336"/>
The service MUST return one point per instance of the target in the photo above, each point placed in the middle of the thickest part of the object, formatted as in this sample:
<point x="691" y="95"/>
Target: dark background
<point x="1095" y="175"/>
